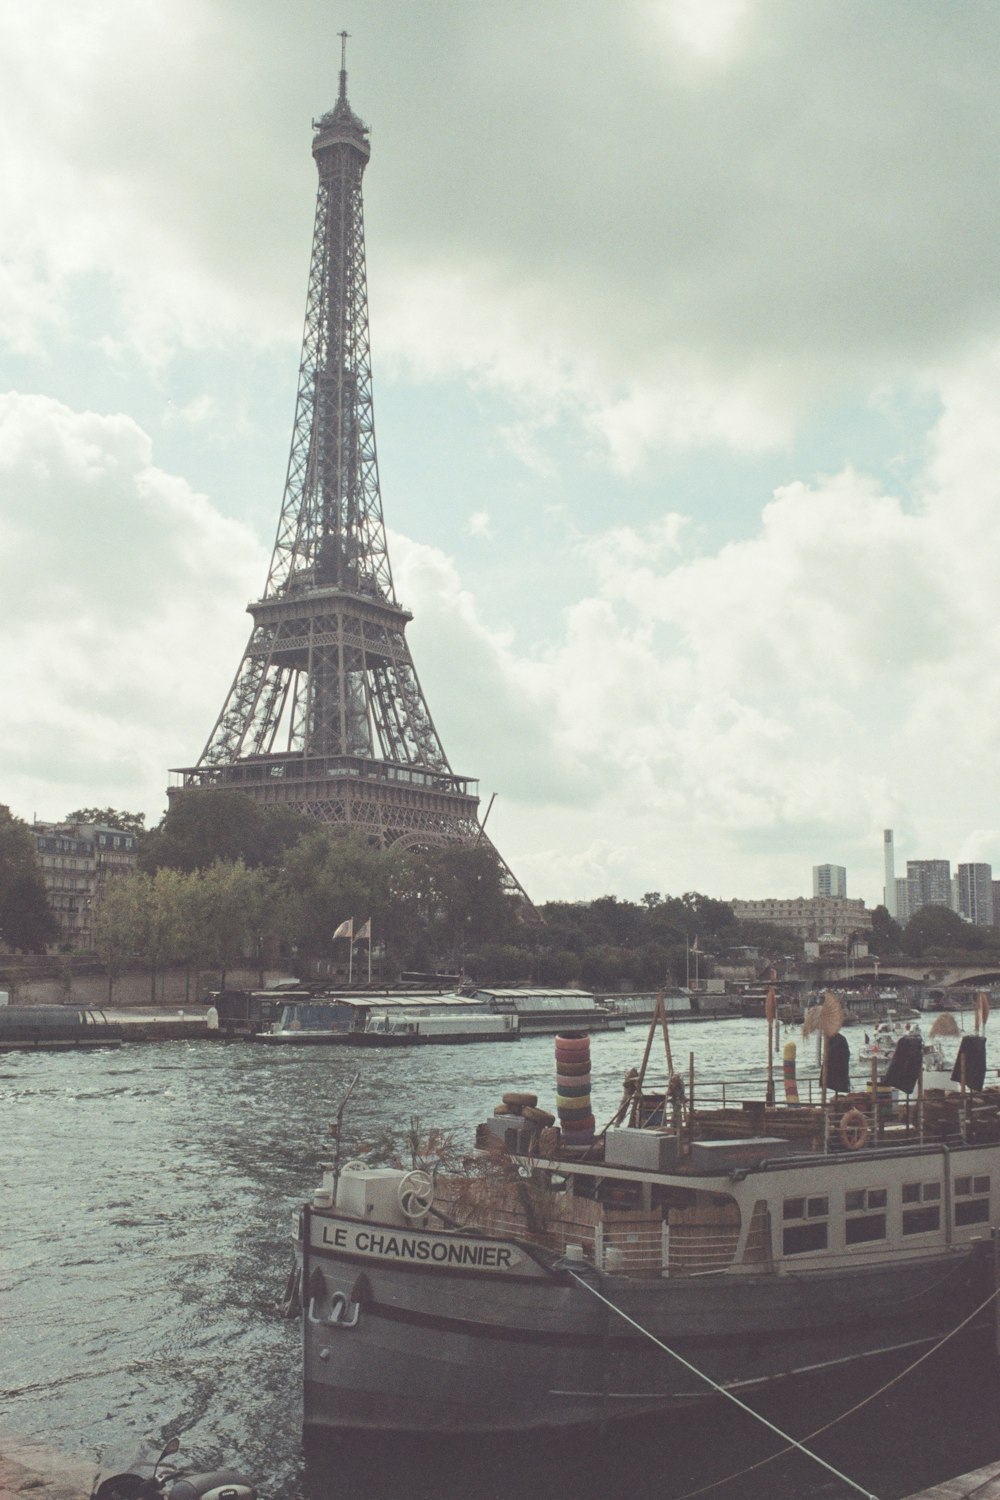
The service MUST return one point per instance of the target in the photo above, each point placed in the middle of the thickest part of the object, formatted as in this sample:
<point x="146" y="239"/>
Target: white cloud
<point x="831" y="674"/>
<point x="118" y="580"/>
<point x="711" y="216"/>
<point x="478" y="524"/>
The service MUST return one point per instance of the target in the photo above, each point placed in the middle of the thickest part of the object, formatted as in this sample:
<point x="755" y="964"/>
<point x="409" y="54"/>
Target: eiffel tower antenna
<point x="326" y="714"/>
<point x="343" y="66"/>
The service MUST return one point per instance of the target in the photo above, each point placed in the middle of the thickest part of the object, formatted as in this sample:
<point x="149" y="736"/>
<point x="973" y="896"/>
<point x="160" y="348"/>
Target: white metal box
<point x="728" y="1156"/>
<point x="372" y="1194"/>
<point x="649" y="1150"/>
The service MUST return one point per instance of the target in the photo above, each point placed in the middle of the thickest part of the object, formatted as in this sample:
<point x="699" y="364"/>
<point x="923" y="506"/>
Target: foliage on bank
<point x="223" y="881"/>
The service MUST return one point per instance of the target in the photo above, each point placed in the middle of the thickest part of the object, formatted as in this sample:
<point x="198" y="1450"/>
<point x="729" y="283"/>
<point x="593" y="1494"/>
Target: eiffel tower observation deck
<point x="326" y="714"/>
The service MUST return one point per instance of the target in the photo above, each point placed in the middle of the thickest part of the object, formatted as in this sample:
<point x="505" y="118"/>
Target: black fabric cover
<point x="973" y="1049"/>
<point x="904" y="1067"/>
<point x="838" y="1062"/>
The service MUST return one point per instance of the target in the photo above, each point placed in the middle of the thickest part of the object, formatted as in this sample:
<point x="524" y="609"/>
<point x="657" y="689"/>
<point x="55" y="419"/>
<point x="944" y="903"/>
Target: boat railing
<point x="634" y="1242"/>
<point x="725" y="1093"/>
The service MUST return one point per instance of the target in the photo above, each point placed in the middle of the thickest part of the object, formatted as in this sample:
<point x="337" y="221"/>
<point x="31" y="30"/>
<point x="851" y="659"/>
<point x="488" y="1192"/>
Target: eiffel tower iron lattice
<point x="326" y="714"/>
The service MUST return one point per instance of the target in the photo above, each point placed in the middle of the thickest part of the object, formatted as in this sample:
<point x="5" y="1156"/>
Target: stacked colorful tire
<point x="576" y="1119"/>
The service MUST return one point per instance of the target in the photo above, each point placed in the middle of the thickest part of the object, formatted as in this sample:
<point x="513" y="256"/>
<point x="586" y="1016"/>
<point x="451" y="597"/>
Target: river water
<point x="148" y="1195"/>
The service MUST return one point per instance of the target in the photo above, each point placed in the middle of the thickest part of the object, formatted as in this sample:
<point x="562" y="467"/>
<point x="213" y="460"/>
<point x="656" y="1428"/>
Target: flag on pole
<point x="346" y="929"/>
<point x="694" y="945"/>
<point x="364" y="932"/>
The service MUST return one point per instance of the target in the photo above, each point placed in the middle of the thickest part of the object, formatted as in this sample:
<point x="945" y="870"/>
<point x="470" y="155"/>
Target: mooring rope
<point x="858" y="1405"/>
<point x="792" y="1443"/>
<point x="721" y="1389"/>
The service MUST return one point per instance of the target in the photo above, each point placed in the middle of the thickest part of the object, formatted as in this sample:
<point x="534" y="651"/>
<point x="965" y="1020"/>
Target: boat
<point x="880" y="1048"/>
<point x="55" y="1028"/>
<point x="414" y="1028"/>
<point x="317" y="1021"/>
<point x="880" y="1045"/>
<point x="680" y="1005"/>
<point x="542" y="1012"/>
<point x="387" y="1020"/>
<point x="567" y="1276"/>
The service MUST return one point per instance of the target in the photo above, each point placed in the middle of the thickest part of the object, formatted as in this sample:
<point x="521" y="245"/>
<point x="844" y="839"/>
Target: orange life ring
<point x="854" y="1130"/>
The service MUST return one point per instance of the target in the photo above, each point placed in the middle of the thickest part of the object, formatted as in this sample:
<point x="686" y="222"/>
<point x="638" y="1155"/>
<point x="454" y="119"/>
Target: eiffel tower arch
<point x="326" y="714"/>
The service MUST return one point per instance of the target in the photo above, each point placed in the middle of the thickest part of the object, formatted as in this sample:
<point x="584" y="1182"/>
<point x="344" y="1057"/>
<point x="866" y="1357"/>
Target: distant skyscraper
<point x="901" y="888"/>
<point x="830" y="880"/>
<point x="889" y="857"/>
<point x="928" y="883"/>
<point x="975" y="894"/>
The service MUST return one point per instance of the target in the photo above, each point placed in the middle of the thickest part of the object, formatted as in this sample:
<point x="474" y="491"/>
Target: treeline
<point x="222" y="882"/>
<point x="933" y="932"/>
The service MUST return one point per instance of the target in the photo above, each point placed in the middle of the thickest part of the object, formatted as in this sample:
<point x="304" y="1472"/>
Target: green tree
<point x="330" y="875"/>
<point x="465" y="902"/>
<point x="606" y="967"/>
<point x="936" y="929"/>
<point x="115" y="928"/>
<point x="110" y="817"/>
<point x="27" y="923"/>
<point x="223" y="891"/>
<point x="886" y="939"/>
<point x="201" y="827"/>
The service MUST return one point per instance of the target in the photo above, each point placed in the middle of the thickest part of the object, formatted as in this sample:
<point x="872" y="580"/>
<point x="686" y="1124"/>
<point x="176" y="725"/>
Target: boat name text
<point x="392" y="1245"/>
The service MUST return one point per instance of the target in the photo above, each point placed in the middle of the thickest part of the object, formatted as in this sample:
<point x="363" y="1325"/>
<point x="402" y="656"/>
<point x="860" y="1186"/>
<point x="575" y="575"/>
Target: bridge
<point x="935" y="974"/>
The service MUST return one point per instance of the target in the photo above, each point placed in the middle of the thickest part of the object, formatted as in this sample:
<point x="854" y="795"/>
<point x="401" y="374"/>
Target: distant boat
<point x="414" y="1028"/>
<point x="386" y="1020"/>
<point x="545" y="1012"/>
<point x="55" y="1028"/>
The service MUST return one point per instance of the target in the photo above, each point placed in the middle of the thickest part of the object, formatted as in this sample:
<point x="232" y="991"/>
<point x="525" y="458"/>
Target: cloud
<point x="801" y="689"/>
<point x="684" y="238"/>
<point x="478" y="524"/>
<point x="120" y="628"/>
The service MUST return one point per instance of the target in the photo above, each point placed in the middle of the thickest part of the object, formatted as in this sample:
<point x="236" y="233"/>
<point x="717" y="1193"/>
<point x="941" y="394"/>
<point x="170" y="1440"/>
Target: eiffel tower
<point x="326" y="714"/>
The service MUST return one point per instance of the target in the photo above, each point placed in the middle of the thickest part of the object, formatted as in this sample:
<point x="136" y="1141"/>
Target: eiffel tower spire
<point x="326" y="713"/>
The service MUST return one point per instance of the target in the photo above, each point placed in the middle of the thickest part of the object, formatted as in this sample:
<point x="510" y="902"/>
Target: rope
<point x="792" y="1443"/>
<point x="721" y="1389"/>
<point x="858" y="1405"/>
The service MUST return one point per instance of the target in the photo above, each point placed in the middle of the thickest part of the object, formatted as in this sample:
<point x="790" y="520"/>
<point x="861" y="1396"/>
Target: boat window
<point x="805" y="1225"/>
<point x="922" y="1220"/>
<point x="921" y="1192"/>
<point x="972" y="1200"/>
<point x="805" y="1208"/>
<point x="861" y="1199"/>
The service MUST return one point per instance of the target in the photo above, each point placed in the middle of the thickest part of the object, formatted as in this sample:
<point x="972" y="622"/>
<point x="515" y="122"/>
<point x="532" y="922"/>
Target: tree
<point x="201" y="827"/>
<point x="115" y="935"/>
<point x="936" y="929"/>
<point x="127" y="822"/>
<point x="466" y="905"/>
<point x="330" y="875"/>
<point x="27" y="923"/>
<point x="886" y="938"/>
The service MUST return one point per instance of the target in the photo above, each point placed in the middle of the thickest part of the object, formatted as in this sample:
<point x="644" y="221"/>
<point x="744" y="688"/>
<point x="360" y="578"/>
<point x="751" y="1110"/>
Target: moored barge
<point x="686" y="1250"/>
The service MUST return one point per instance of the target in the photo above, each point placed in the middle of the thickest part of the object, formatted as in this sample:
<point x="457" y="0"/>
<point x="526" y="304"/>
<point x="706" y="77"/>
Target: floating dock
<point x="984" y="1484"/>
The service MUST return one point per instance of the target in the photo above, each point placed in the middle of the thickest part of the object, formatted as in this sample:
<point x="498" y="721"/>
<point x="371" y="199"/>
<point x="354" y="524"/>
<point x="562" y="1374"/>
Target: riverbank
<point x="39" y="1473"/>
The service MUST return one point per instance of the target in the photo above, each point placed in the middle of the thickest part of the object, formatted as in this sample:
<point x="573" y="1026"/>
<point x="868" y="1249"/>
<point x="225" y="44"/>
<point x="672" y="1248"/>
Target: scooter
<point x="142" y="1480"/>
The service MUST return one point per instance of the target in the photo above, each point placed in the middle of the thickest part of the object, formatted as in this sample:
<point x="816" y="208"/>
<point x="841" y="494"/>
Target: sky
<point x="685" y="325"/>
